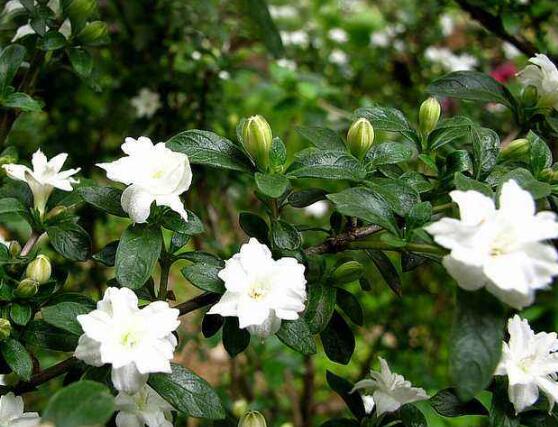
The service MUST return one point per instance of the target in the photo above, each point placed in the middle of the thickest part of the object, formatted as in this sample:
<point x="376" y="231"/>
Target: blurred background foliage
<point x="173" y="65"/>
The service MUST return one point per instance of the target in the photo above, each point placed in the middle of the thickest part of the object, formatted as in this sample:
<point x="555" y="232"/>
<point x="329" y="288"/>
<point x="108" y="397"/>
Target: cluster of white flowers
<point x="261" y="291"/>
<point x="385" y="37"/>
<point x="144" y="408"/>
<point x="295" y="38"/>
<point x="502" y="248"/>
<point x="449" y="60"/>
<point x="338" y="35"/>
<point x="387" y="391"/>
<point x="543" y="75"/>
<point x="339" y="57"/>
<point x="146" y="103"/>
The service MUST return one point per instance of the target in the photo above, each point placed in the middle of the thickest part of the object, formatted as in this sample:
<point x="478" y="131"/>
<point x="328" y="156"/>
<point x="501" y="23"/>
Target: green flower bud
<point x="54" y="212"/>
<point x="94" y="34"/>
<point x="14" y="248"/>
<point x="530" y="96"/>
<point x="252" y="419"/>
<point x="515" y="149"/>
<point x="239" y="408"/>
<point x="347" y="272"/>
<point x="360" y="138"/>
<point x="549" y="175"/>
<point x="429" y="114"/>
<point x="5" y="329"/>
<point x="39" y="269"/>
<point x="257" y="139"/>
<point x="27" y="288"/>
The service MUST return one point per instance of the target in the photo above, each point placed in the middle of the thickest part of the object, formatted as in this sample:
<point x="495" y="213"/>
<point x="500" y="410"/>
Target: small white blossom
<point x="283" y="12"/>
<point x="146" y="103"/>
<point x="287" y="63"/>
<point x="449" y="60"/>
<point x="224" y="75"/>
<point x="531" y="363"/>
<point x="447" y="23"/>
<point x="501" y="249"/>
<point x="543" y="75"/>
<point x="135" y="342"/>
<point x="153" y="173"/>
<point x="261" y="291"/>
<point x="317" y="209"/>
<point x="12" y="415"/>
<point x="389" y="390"/>
<point x="45" y="176"/>
<point x="338" y="35"/>
<point x="196" y="55"/>
<point x="338" y="57"/>
<point x="510" y="51"/>
<point x="145" y="408"/>
<point x="294" y="38"/>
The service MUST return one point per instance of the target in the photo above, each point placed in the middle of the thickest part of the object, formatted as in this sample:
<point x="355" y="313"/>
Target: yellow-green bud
<point x="429" y="114"/>
<point x="39" y="269"/>
<point x="54" y="212"/>
<point x="515" y="149"/>
<point x="360" y="138"/>
<point x="347" y="272"/>
<point x="549" y="175"/>
<point x="5" y="329"/>
<point x="239" y="408"/>
<point x="27" y="288"/>
<point x="257" y="139"/>
<point x="14" y="248"/>
<point x="94" y="33"/>
<point x="252" y="419"/>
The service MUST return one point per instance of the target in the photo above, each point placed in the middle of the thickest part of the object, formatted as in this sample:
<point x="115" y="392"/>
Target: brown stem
<point x="306" y="402"/>
<point x="200" y="301"/>
<point x="33" y="239"/>
<point x="341" y="241"/>
<point x="46" y="375"/>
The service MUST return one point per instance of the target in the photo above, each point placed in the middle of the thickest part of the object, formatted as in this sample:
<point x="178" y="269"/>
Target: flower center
<point x="502" y="244"/>
<point x="526" y="363"/>
<point x="130" y="339"/>
<point x="157" y="174"/>
<point x="258" y="291"/>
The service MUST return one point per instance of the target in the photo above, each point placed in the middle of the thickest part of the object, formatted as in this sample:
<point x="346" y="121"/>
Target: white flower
<point x="286" y="63"/>
<point x="145" y="408"/>
<point x="12" y="415"/>
<point x="338" y="57"/>
<point x="368" y="403"/>
<point x="45" y="176"/>
<point x="135" y="342"/>
<point x="196" y="56"/>
<point x="153" y="173"/>
<point x="338" y="35"/>
<point x="295" y="38"/>
<point x="530" y="361"/>
<point x="283" y="12"/>
<point x="448" y="60"/>
<point x="146" y="103"/>
<point x="224" y="75"/>
<point x="501" y="249"/>
<point x="510" y="51"/>
<point x="543" y="75"/>
<point x="389" y="391"/>
<point x="317" y="209"/>
<point x="12" y="6"/>
<point x="261" y="291"/>
<point x="447" y="23"/>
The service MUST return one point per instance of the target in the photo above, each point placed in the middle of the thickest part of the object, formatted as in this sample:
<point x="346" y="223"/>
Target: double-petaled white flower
<point x="501" y="249"/>
<point x="146" y="103"/>
<point x="543" y="75"/>
<point x="387" y="391"/>
<point x="261" y="291"/>
<point x="530" y="362"/>
<point x="145" y="408"/>
<point x="153" y="173"/>
<point x="12" y="413"/>
<point x="45" y="176"/>
<point x="135" y="342"/>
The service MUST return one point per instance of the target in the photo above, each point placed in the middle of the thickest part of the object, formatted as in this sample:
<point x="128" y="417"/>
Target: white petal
<point x="515" y="202"/>
<point x="234" y="275"/>
<point x="255" y="256"/>
<point x="10" y="406"/>
<point x="126" y="419"/>
<point x="368" y="403"/>
<point x="173" y="202"/>
<point x="227" y="305"/>
<point x="162" y="319"/>
<point x="468" y="277"/>
<point x="550" y="388"/>
<point x="385" y="403"/>
<point x="89" y="351"/>
<point x="128" y="379"/>
<point x="17" y="172"/>
<point x="57" y="162"/>
<point x="523" y="395"/>
<point x="474" y="207"/>
<point x="29" y="419"/>
<point x="137" y="203"/>
<point x="269" y="327"/>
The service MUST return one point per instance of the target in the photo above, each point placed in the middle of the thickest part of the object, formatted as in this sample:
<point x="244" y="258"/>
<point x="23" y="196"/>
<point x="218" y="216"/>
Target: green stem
<point x="164" y="283"/>
<point x="443" y="207"/>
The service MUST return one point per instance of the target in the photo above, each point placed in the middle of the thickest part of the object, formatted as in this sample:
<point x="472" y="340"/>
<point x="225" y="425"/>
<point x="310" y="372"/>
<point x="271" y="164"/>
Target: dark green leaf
<point x="411" y="416"/>
<point x="320" y="306"/>
<point x="173" y="221"/>
<point x="526" y="181"/>
<point x="318" y="163"/>
<point x="350" y="306"/>
<point x="11" y="59"/>
<point x="81" y="61"/>
<point x="540" y="156"/>
<point x="296" y="335"/>
<point x="256" y="11"/>
<point x="465" y="183"/>
<point x="338" y="340"/>
<point x="343" y="388"/>
<point x="502" y="412"/>
<point x="301" y="199"/>
<point x="419" y="215"/>
<point x="211" y="324"/>
<point x="78" y="11"/>
<point x="70" y="240"/>
<point x="17" y="358"/>
<point x="107" y="255"/>
<point x="323" y="138"/>
<point x="447" y="404"/>
<point x="63" y="315"/>
<point x="448" y="131"/>
<point x="285" y="236"/>
<point x="41" y="335"/>
<point x="22" y="101"/>
<point x="388" y="153"/>
<point x="386" y="269"/>
<point x="486" y="147"/>
<point x="235" y="340"/>
<point x="106" y="199"/>
<point x="20" y="313"/>
<point x="384" y="118"/>
<point x="204" y="276"/>
<point x="340" y="422"/>
<point x="271" y="185"/>
<point x="399" y="196"/>
<point x="277" y="154"/>
<point x="10" y="205"/>
<point x="254" y="226"/>
<point x="52" y="40"/>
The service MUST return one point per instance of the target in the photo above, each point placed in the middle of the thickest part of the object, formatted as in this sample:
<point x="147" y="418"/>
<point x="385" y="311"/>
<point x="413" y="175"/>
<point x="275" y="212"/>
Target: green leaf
<point x="78" y="11"/>
<point x="207" y="148"/>
<point x="63" y="315"/>
<point x="458" y="161"/>
<point x="52" y="40"/>
<point x="502" y="412"/>
<point x="254" y="226"/>
<point x="540" y="156"/>
<point x="418" y="215"/>
<point x="486" y="147"/>
<point x="476" y="342"/>
<point x="464" y="183"/>
<point x="416" y="181"/>
<point x="318" y="163"/>
<point x="11" y="59"/>
<point x="211" y="324"/>
<point x="323" y="138"/>
<point x="20" y="313"/>
<point x="388" y="153"/>
<point x="350" y="306"/>
<point x="171" y="220"/>
<point x="320" y="306"/>
<point x="106" y="199"/>
<point x="41" y="335"/>
<point x="81" y="404"/>
<point x="272" y="185"/>
<point x="81" y="61"/>
<point x="296" y="335"/>
<point x="386" y="269"/>
<point x="107" y="255"/>
<point x="449" y="130"/>
<point x="347" y="272"/>
<point x="204" y="276"/>
<point x="235" y="340"/>
<point x="10" y="205"/>
<point x="472" y="86"/>
<point x="343" y="388"/>
<point x="411" y="416"/>
<point x="188" y="393"/>
<point x="137" y="253"/>
<point x="277" y="154"/>
<point x="399" y="196"/>
<point x="447" y="404"/>
<point x="526" y="181"/>
<point x="70" y="240"/>
<point x="301" y="199"/>
<point x="17" y="358"/>
<point x="257" y="12"/>
<point x="285" y="236"/>
<point x="22" y="101"/>
<point x="366" y="204"/>
<point x="384" y="118"/>
<point x="338" y="340"/>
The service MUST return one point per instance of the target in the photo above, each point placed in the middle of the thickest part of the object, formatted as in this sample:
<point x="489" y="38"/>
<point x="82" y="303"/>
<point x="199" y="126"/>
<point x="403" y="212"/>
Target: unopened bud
<point x="429" y="114"/>
<point x="5" y="329"/>
<point x="54" y="212"/>
<point x="347" y="272"/>
<point x="530" y="96"/>
<point x="515" y="149"/>
<point x="94" y="34"/>
<point x="14" y="248"/>
<point x="239" y="408"/>
<point x="39" y="269"/>
<point x="549" y="175"/>
<point x="252" y="419"/>
<point x="360" y="138"/>
<point x="257" y="139"/>
<point x="27" y="288"/>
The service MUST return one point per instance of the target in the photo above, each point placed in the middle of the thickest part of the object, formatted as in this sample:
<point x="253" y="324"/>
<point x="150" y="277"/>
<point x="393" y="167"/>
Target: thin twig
<point x="33" y="239"/>
<point x="46" y="375"/>
<point x="200" y="301"/>
<point x="341" y="241"/>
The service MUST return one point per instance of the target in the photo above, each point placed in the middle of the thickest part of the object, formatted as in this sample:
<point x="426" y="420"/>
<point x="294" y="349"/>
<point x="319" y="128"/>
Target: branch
<point x="341" y="241"/>
<point x="46" y="375"/>
<point x="33" y="239"/>
<point x="200" y="301"/>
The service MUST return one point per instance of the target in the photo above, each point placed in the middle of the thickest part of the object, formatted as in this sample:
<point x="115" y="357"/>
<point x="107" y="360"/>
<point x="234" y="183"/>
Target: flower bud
<point x="39" y="269"/>
<point x="252" y="419"/>
<point x="360" y="138"/>
<point x="515" y="149"/>
<point x="257" y="139"/>
<point x="54" y="212"/>
<point x="239" y="408"/>
<point x="14" y="248"/>
<point x="5" y="329"/>
<point x="429" y="114"/>
<point x="94" y="34"/>
<point x="549" y="175"/>
<point x="27" y="288"/>
<point x="347" y="272"/>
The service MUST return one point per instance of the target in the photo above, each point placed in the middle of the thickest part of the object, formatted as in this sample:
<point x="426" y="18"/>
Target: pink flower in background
<point x="504" y="72"/>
